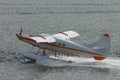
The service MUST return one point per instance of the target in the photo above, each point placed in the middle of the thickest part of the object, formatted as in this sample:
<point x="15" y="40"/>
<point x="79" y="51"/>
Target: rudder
<point x="102" y="46"/>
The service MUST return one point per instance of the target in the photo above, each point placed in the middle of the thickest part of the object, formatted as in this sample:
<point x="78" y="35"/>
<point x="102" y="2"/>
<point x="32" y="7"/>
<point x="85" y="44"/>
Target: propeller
<point x="19" y="33"/>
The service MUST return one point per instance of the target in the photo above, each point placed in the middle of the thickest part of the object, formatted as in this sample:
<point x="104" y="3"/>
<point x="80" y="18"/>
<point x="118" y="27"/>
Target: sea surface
<point x="90" y="18"/>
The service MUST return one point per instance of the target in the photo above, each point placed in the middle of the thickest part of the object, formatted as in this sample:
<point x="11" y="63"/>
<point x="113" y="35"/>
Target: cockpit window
<point x="59" y="43"/>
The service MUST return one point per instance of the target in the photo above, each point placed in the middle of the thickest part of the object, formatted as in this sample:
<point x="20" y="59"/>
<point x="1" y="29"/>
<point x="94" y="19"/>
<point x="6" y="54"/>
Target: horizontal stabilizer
<point x="99" y="57"/>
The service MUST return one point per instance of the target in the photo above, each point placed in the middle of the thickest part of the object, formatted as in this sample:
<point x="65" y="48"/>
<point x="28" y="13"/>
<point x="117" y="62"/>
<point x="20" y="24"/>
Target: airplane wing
<point x="66" y="35"/>
<point x="45" y="38"/>
<point x="41" y="39"/>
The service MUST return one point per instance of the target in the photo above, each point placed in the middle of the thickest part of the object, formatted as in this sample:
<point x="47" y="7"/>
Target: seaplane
<point x="61" y="43"/>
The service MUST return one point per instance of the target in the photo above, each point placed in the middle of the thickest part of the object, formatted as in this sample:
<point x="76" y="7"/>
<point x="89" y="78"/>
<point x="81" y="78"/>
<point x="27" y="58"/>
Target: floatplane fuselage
<point x="61" y="43"/>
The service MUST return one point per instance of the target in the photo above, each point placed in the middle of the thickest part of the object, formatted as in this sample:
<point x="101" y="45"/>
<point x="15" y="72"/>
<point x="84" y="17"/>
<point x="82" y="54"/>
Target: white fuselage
<point x="65" y="47"/>
<point x="61" y="43"/>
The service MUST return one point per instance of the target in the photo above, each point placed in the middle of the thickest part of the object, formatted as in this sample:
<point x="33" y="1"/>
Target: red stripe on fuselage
<point x="58" y="46"/>
<point x="73" y="49"/>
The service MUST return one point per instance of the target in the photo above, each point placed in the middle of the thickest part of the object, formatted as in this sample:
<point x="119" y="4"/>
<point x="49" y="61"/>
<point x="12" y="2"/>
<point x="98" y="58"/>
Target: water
<point x="90" y="18"/>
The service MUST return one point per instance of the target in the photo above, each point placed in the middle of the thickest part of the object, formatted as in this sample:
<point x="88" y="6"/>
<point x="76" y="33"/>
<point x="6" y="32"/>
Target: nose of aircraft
<point x="20" y="33"/>
<point x="17" y="35"/>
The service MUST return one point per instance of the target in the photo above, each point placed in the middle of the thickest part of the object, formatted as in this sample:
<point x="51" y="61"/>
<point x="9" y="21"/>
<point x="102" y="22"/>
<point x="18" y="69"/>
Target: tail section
<point x="102" y="46"/>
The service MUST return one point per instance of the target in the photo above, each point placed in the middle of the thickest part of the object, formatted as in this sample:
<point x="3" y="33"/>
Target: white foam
<point x="90" y="62"/>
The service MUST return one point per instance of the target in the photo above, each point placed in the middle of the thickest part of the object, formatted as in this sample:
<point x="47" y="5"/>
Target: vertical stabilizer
<point x="102" y="46"/>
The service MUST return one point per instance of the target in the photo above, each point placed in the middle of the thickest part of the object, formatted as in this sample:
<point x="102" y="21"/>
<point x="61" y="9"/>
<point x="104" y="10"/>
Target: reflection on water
<point x="77" y="73"/>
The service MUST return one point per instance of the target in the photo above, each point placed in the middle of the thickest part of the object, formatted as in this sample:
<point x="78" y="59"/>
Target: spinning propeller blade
<point x="19" y="33"/>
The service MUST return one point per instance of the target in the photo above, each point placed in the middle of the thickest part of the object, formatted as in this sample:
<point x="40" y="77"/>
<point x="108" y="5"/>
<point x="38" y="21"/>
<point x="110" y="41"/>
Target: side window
<point x="63" y="44"/>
